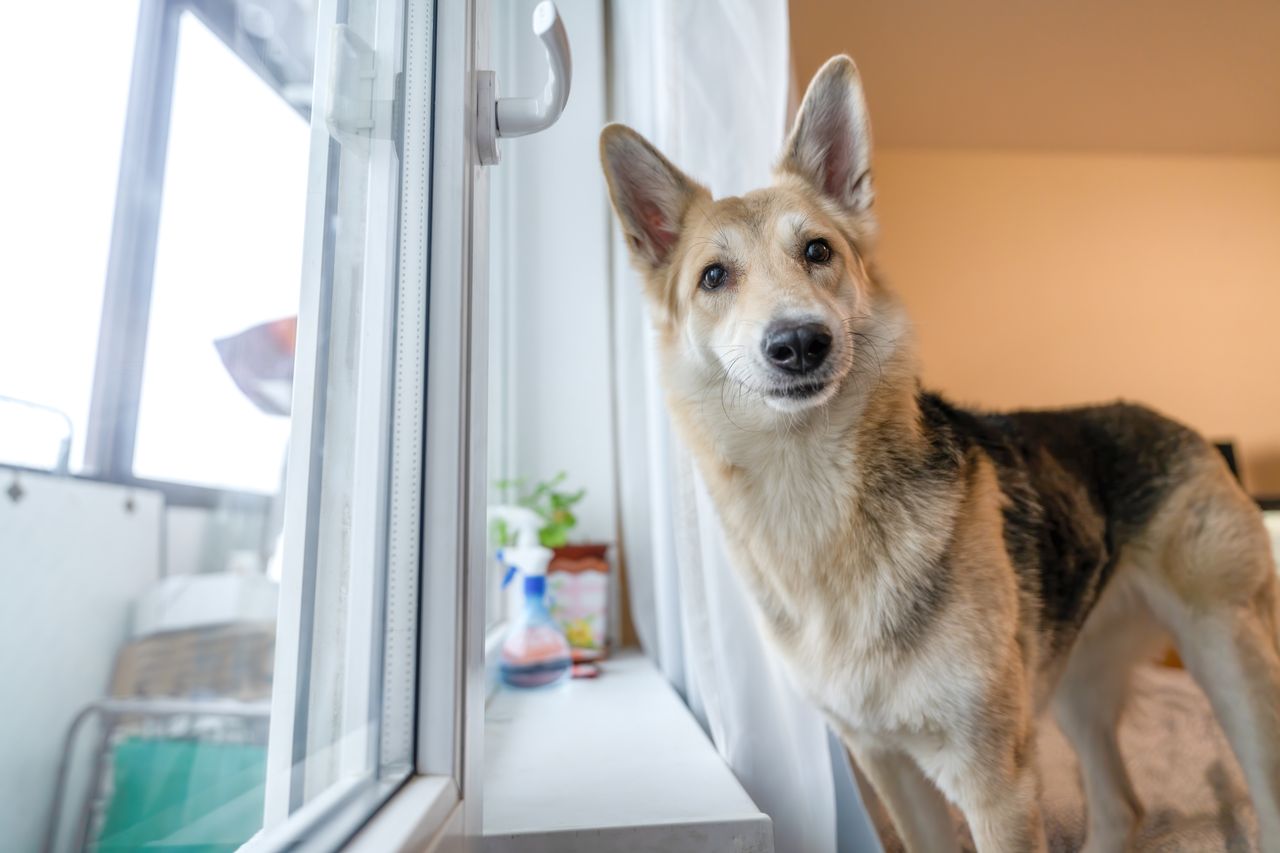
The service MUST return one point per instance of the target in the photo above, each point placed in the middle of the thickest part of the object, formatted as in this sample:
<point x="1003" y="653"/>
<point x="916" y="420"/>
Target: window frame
<point x="433" y="612"/>
<point x="439" y="807"/>
<point x="438" y="461"/>
<point x="359" y="175"/>
<point x="436" y="467"/>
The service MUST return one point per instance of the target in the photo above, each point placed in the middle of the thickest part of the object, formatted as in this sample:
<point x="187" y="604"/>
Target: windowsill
<point x="614" y="763"/>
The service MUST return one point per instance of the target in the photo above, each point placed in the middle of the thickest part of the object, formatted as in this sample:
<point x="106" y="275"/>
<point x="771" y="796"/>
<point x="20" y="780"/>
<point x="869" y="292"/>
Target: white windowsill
<point x="611" y="764"/>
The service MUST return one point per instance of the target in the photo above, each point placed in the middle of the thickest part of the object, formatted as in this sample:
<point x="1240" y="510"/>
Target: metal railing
<point x="63" y="464"/>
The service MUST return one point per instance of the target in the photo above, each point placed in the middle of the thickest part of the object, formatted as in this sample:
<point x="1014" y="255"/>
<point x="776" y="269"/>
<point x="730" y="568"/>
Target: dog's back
<point x="1079" y="485"/>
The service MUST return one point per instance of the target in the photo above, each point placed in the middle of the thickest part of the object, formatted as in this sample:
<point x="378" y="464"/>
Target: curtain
<point x="709" y="83"/>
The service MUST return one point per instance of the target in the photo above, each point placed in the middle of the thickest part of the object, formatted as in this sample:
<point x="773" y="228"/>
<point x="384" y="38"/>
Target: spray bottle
<point x="534" y="652"/>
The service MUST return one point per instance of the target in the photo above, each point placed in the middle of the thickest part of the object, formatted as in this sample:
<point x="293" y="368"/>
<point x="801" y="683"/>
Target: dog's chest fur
<point x="839" y="583"/>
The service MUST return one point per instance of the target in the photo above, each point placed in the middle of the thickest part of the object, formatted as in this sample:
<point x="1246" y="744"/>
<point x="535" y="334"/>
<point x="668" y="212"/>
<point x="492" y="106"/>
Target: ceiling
<point x="1151" y="76"/>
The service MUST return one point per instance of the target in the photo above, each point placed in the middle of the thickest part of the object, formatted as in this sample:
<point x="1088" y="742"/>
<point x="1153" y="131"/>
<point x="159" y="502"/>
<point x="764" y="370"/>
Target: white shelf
<point x="611" y="764"/>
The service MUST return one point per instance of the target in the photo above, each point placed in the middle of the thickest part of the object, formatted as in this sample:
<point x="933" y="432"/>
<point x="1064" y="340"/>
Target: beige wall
<point x="1043" y="279"/>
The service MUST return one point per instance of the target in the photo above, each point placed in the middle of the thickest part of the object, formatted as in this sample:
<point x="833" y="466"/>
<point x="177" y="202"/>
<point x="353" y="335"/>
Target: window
<point x="228" y="259"/>
<point x="59" y="187"/>
<point x="218" y="288"/>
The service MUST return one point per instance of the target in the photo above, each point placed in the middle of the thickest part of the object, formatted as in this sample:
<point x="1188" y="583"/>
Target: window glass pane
<point x="193" y="624"/>
<point x="228" y="259"/>
<point x="59" y="180"/>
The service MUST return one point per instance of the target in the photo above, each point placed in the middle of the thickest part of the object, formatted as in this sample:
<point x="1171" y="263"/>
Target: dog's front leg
<point x="918" y="809"/>
<point x="997" y="787"/>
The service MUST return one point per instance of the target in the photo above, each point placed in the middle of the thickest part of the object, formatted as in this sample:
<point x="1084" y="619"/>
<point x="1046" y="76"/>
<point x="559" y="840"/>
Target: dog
<point x="935" y="577"/>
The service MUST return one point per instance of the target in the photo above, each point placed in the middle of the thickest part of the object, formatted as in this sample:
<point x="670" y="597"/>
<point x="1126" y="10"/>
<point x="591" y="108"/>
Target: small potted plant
<point x="578" y="576"/>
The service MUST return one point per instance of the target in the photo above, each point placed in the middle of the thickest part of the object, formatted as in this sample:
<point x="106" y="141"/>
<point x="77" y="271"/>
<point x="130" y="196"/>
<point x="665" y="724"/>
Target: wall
<point x="1043" y="279"/>
<point x="74" y="555"/>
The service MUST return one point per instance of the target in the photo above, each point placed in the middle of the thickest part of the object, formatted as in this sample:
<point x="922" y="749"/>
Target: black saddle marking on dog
<point x="1078" y="483"/>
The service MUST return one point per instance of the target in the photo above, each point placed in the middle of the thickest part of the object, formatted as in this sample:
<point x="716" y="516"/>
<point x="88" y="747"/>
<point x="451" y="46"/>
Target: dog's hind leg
<point x="1217" y="594"/>
<point x="1087" y="704"/>
<point x="918" y="809"/>
<point x="1232" y="654"/>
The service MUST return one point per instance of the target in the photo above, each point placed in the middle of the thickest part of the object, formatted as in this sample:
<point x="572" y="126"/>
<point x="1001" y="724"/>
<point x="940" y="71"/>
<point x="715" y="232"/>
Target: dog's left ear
<point x="830" y="146"/>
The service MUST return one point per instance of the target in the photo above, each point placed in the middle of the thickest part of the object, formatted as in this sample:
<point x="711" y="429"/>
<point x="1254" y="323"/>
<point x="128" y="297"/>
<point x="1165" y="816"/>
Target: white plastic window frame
<point x="438" y="470"/>
<point x="356" y="181"/>
<point x="441" y="803"/>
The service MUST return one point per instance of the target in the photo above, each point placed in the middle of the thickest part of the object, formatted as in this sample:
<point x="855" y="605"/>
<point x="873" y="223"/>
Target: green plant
<point x="553" y="506"/>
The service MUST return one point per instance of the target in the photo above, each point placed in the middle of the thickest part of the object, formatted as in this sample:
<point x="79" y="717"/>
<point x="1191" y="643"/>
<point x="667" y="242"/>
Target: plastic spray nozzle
<point x="527" y="556"/>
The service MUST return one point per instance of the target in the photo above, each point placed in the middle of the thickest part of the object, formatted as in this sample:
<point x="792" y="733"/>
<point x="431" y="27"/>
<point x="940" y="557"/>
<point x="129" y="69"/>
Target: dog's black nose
<point x="797" y="348"/>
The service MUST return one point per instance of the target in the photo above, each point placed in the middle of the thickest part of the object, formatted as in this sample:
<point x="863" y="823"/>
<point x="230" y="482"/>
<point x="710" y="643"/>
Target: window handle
<point x="499" y="117"/>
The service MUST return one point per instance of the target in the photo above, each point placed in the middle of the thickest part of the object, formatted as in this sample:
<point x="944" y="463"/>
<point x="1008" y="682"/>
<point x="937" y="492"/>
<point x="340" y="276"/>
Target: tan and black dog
<point x="934" y="576"/>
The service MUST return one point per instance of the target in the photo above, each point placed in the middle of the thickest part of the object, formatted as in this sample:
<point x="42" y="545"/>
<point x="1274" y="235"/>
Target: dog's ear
<point x="830" y="146"/>
<point x="649" y="194"/>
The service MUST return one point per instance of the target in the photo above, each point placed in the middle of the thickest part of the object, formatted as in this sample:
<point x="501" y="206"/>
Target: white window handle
<point x="500" y="117"/>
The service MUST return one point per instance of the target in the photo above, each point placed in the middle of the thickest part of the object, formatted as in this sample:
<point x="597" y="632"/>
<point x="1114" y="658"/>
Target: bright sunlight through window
<point x="229" y="257"/>
<point x="59" y="179"/>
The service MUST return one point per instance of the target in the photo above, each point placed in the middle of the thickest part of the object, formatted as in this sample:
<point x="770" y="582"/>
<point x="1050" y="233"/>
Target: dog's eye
<point x="714" y="277"/>
<point x="817" y="252"/>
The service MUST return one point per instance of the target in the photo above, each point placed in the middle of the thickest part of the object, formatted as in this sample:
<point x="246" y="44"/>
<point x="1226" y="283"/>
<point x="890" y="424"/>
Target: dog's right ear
<point x="650" y="195"/>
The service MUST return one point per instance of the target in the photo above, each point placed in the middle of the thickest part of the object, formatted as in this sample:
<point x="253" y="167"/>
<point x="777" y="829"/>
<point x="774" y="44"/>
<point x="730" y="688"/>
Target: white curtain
<point x="708" y="82"/>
